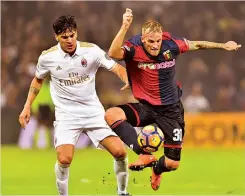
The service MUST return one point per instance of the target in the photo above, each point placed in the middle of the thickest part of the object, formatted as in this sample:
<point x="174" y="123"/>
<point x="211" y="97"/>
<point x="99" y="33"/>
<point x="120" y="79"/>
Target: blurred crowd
<point x="212" y="80"/>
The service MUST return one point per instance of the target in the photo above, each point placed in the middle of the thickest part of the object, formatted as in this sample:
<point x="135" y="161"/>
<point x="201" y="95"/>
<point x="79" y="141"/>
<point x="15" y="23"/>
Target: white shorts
<point x="68" y="132"/>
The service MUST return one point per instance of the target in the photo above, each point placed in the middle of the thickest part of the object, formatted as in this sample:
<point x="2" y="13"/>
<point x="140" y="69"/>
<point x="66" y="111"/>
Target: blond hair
<point x="151" y="26"/>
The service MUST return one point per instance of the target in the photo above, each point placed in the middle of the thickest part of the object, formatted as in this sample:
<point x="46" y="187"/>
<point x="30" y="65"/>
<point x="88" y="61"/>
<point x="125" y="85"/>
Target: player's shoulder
<point x="171" y="40"/>
<point x="90" y="48"/>
<point x="48" y="55"/>
<point x="49" y="51"/>
<point x="174" y="43"/>
<point x="86" y="45"/>
<point x="135" y="40"/>
<point x="168" y="36"/>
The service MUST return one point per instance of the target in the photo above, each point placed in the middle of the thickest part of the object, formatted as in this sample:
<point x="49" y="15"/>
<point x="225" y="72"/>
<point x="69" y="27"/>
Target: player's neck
<point x="149" y="55"/>
<point x="70" y="53"/>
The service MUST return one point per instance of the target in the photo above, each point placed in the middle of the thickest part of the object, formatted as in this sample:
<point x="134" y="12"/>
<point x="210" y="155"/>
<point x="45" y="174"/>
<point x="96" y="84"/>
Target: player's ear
<point x="56" y="37"/>
<point x="142" y="38"/>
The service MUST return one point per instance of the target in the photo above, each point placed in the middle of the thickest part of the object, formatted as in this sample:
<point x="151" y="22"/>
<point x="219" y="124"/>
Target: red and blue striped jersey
<point x="153" y="79"/>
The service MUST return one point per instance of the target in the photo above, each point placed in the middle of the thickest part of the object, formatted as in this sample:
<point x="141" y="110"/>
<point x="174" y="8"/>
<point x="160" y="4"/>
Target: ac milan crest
<point x="84" y="62"/>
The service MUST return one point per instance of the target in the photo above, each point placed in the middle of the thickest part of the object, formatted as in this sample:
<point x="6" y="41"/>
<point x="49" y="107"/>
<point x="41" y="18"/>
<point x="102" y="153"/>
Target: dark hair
<point x="63" y="23"/>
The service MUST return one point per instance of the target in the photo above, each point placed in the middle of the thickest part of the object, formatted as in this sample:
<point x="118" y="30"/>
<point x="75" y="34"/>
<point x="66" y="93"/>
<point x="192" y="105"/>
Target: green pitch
<point x="202" y="172"/>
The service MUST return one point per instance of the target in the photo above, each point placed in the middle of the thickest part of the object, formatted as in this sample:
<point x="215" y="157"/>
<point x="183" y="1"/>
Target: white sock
<point x="62" y="175"/>
<point x="121" y="170"/>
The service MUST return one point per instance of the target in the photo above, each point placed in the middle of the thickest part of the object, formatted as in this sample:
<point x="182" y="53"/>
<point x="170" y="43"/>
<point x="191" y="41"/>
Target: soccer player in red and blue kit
<point x="150" y="62"/>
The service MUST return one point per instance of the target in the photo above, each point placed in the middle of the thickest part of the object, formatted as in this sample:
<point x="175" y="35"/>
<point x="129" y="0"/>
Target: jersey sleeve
<point x="129" y="51"/>
<point x="41" y="69"/>
<point x="103" y="59"/>
<point x="182" y="44"/>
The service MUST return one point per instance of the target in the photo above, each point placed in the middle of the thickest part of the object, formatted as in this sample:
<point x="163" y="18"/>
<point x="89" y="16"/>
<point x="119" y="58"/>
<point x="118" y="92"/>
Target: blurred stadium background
<point x="214" y="97"/>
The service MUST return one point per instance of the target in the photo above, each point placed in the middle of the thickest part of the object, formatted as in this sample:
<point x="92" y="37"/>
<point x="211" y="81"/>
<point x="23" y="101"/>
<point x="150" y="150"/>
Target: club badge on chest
<point x="84" y="62"/>
<point x="167" y="55"/>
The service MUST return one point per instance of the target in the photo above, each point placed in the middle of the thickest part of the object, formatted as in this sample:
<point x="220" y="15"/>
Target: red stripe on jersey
<point x="172" y="146"/>
<point x="182" y="44"/>
<point x="145" y="84"/>
<point x="136" y="114"/>
<point x="140" y="54"/>
<point x="179" y="84"/>
<point x="128" y="43"/>
<point x="166" y="36"/>
<point x="116" y="124"/>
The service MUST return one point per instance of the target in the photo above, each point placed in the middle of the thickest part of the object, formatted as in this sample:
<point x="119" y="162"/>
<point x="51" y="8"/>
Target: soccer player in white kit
<point x="72" y="66"/>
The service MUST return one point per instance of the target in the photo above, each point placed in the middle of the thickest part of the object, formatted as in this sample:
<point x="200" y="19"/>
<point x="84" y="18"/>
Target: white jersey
<point x="72" y="83"/>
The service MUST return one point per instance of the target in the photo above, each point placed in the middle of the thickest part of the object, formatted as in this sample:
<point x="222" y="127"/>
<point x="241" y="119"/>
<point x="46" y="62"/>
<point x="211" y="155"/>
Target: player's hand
<point x="231" y="45"/>
<point x="24" y="117"/>
<point x="126" y="86"/>
<point x="127" y="18"/>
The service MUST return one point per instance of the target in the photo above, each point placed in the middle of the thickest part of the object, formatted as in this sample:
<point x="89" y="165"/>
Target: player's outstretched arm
<point x="196" y="45"/>
<point x="35" y="87"/>
<point x="115" y="50"/>
<point x="121" y="72"/>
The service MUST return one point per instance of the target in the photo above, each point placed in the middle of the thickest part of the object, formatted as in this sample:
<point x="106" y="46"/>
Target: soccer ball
<point x="150" y="138"/>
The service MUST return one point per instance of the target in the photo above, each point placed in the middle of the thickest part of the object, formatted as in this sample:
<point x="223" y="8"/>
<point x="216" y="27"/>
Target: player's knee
<point x="114" y="114"/>
<point x="65" y="159"/>
<point x="119" y="153"/>
<point x="172" y="157"/>
<point x="172" y="164"/>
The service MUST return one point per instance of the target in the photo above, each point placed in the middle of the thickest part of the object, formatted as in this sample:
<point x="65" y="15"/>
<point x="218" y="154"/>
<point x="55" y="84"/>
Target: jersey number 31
<point x="177" y="134"/>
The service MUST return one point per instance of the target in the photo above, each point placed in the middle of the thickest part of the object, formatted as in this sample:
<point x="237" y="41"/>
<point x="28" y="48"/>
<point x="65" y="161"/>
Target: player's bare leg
<point x="116" y="119"/>
<point x="163" y="165"/>
<point x="116" y="147"/>
<point x="64" y="159"/>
